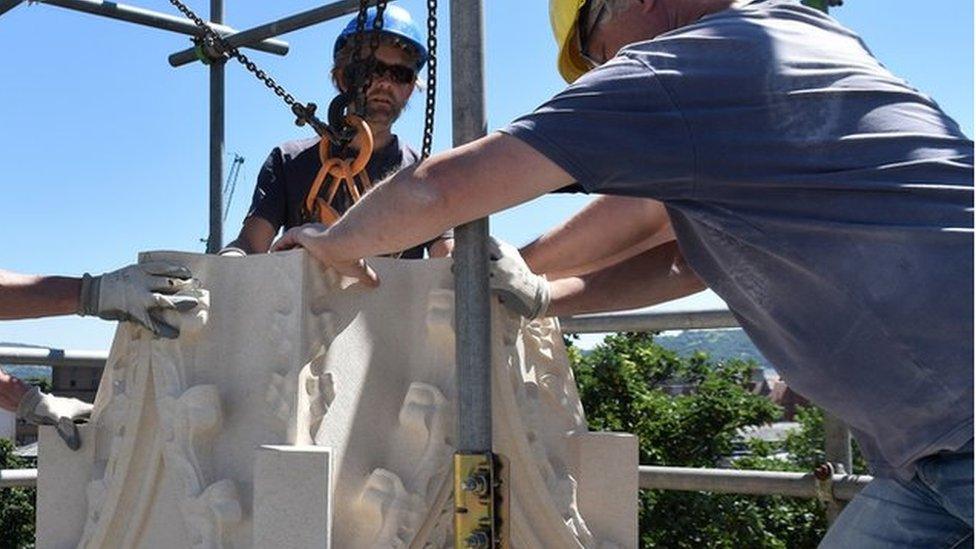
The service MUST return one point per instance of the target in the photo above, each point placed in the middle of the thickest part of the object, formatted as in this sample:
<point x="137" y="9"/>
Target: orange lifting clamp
<point x="344" y="171"/>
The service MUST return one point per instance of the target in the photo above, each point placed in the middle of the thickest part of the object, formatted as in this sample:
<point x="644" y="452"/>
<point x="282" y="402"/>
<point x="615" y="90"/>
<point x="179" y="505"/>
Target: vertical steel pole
<point x="837" y="443"/>
<point x="837" y="449"/>
<point x="472" y="306"/>
<point x="216" y="239"/>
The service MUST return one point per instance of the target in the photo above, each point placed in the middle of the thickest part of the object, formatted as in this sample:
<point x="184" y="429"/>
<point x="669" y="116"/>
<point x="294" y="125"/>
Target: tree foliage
<point x="687" y="412"/>
<point x="16" y="505"/>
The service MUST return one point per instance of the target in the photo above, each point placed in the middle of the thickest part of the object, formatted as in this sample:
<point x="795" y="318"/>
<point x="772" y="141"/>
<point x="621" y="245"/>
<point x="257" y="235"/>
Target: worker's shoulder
<point x="295" y="147"/>
<point x="398" y="153"/>
<point x="746" y="36"/>
<point x="410" y="155"/>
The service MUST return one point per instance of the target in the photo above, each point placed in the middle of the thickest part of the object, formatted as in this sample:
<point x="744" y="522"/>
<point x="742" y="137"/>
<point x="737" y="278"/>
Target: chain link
<point x="431" y="97"/>
<point x="366" y="63"/>
<point x="214" y="44"/>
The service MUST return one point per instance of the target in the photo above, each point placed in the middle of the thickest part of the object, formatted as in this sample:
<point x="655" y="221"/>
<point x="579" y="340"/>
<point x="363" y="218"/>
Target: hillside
<point x="719" y="344"/>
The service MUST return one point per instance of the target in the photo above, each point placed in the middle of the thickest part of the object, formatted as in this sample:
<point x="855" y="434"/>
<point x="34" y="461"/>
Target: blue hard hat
<point x="396" y="22"/>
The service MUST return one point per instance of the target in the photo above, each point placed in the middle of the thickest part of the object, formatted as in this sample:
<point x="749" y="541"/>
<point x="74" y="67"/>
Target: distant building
<point x="774" y="388"/>
<point x="76" y="381"/>
<point x="8" y="426"/>
<point x="70" y="381"/>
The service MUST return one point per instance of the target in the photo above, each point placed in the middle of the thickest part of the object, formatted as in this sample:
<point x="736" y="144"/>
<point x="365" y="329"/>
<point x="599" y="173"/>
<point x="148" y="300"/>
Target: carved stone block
<point x="293" y="497"/>
<point x="285" y="353"/>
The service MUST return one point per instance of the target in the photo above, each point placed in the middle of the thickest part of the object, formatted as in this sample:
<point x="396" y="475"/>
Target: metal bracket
<point x="480" y="501"/>
<point x="825" y="483"/>
<point x="207" y="51"/>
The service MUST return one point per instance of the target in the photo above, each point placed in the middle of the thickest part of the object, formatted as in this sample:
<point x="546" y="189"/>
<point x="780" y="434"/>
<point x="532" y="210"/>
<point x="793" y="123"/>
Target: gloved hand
<point x="517" y="287"/>
<point x="139" y="293"/>
<point x="43" y="409"/>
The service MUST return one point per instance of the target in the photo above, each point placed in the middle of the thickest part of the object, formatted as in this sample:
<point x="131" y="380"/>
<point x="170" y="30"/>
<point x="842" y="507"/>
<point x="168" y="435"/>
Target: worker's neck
<point x="694" y="10"/>
<point x="382" y="136"/>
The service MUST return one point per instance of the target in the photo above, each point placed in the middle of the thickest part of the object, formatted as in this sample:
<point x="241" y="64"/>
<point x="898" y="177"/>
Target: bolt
<point x="824" y="471"/>
<point x="478" y="540"/>
<point x="477" y="484"/>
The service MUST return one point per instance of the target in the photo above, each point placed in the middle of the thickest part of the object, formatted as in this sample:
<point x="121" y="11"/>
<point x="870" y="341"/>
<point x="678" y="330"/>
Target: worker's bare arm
<point x="256" y="236"/>
<point x="32" y="296"/>
<point x="12" y="390"/>
<point x="661" y="237"/>
<point x="653" y="277"/>
<point x="607" y="231"/>
<point x="416" y="204"/>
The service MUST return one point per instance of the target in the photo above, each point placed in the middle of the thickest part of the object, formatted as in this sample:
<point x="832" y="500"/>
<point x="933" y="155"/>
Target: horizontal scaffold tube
<point x="13" y="478"/>
<point x="728" y="481"/>
<point x="741" y="481"/>
<point x="52" y="357"/>
<point x="162" y="21"/>
<point x="276" y="28"/>
<point x="648" y="322"/>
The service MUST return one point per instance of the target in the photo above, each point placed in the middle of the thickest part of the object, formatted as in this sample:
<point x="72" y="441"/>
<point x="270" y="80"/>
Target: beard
<point x="382" y="108"/>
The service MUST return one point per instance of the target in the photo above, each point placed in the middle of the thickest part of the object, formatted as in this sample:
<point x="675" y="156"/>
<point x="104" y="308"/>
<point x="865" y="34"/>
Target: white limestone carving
<point x="287" y="355"/>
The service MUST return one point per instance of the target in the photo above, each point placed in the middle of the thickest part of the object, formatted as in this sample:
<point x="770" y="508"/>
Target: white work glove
<point x="139" y="293"/>
<point x="43" y="409"/>
<point x="517" y="287"/>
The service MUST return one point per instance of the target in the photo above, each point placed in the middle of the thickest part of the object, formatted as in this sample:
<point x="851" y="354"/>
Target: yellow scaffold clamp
<point x="481" y="502"/>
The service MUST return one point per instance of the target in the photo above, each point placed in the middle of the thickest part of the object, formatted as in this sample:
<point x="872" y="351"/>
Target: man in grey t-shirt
<point x="824" y="199"/>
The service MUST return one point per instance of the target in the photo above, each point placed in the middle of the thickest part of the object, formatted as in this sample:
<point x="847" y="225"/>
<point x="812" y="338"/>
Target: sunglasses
<point x="587" y="23"/>
<point x="398" y="74"/>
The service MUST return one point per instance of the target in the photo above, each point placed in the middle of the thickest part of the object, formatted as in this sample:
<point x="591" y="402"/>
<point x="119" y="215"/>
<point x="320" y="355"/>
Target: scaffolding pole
<point x="275" y="28"/>
<point x="838" y="453"/>
<point x="215" y="240"/>
<point x="7" y="5"/>
<point x="738" y="481"/>
<point x="150" y="18"/>
<point x="43" y="356"/>
<point x="649" y="322"/>
<point x="472" y="306"/>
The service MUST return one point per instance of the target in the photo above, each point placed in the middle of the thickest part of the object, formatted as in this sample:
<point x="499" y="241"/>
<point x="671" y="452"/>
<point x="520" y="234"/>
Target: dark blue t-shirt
<point x="287" y="175"/>
<point x="829" y="203"/>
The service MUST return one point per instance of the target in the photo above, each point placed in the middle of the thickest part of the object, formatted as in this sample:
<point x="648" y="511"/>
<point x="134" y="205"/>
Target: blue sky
<point x="103" y="146"/>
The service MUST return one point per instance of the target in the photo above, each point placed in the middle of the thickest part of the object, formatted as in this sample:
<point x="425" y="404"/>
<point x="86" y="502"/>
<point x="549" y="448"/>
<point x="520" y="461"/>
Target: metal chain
<point x="369" y="61"/>
<point x="215" y="43"/>
<point x="431" y="79"/>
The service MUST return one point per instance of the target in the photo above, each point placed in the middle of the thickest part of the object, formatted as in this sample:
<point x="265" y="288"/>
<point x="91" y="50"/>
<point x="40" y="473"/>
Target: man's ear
<point x="647" y="5"/>
<point x="339" y="79"/>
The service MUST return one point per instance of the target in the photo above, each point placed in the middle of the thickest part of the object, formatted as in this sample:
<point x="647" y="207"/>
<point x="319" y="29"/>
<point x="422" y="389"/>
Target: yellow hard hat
<point x="563" y="15"/>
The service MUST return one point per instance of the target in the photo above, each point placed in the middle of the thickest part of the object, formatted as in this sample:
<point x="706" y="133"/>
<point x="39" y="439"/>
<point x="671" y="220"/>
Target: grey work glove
<point x="139" y="293"/>
<point x="41" y="408"/>
<point x="517" y="287"/>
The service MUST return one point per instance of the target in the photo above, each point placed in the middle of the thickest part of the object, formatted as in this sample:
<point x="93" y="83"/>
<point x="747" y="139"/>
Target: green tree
<point x="43" y="383"/>
<point x="687" y="412"/>
<point x="16" y="505"/>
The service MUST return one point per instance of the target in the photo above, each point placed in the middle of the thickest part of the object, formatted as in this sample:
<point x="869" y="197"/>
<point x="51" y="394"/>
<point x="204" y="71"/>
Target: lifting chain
<point x="213" y="46"/>
<point x="431" y="78"/>
<point x="358" y="73"/>
<point x="365" y="66"/>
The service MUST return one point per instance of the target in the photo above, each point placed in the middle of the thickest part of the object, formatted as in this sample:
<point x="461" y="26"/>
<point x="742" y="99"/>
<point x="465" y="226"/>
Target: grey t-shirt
<point x="825" y="200"/>
<point x="287" y="175"/>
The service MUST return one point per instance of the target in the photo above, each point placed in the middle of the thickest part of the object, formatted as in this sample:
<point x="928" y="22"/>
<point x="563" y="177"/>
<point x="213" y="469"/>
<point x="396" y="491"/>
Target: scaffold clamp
<point x="824" y="475"/>
<point x="480" y="501"/>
